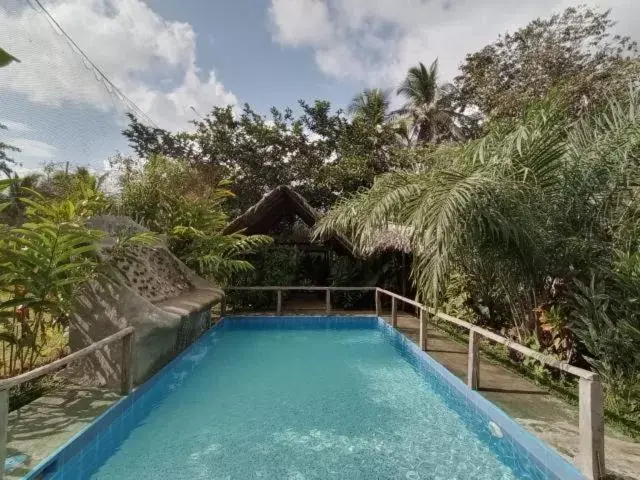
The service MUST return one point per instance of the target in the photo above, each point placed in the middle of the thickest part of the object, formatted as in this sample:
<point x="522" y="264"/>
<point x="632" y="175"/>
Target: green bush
<point x="44" y="261"/>
<point x="606" y="319"/>
<point x="186" y="204"/>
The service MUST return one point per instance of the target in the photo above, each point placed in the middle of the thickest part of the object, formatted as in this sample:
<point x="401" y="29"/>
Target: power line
<point x="108" y="83"/>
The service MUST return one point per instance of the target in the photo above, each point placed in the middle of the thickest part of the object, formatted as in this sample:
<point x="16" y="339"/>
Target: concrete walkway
<point x="39" y="428"/>
<point x="548" y="417"/>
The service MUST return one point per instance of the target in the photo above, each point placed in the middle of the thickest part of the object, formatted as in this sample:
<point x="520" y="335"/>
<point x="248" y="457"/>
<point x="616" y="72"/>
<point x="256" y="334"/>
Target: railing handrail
<point x="8" y="383"/>
<point x="591" y="457"/>
<point x="546" y="359"/>
<point x="303" y="289"/>
<point x="400" y="297"/>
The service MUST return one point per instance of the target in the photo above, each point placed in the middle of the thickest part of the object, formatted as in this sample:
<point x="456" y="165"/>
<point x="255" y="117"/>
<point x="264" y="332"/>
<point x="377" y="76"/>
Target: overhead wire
<point x="110" y="87"/>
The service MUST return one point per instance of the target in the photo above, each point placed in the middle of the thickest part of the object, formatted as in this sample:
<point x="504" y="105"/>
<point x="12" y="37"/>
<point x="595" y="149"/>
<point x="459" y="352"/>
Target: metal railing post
<point x="328" y="301"/>
<point x="473" y="362"/>
<point x="378" y="307"/>
<point x="127" y="364"/>
<point x="423" y="330"/>
<point x="279" y="303"/>
<point x="591" y="428"/>
<point x="394" y="312"/>
<point x="4" y="426"/>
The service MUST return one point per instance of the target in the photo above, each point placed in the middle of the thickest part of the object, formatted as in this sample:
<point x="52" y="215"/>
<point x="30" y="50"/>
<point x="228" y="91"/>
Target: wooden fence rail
<point x="126" y="371"/>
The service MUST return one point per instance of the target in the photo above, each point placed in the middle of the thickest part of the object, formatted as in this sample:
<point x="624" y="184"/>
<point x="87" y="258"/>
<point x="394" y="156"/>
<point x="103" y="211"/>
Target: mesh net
<point x="57" y="106"/>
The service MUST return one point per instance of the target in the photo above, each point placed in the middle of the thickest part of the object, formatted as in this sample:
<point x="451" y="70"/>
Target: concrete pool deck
<point x="38" y="429"/>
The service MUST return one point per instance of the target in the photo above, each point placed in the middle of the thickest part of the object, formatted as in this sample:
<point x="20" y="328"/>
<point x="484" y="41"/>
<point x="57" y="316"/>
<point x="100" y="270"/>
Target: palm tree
<point x="508" y="202"/>
<point x="371" y="106"/>
<point x="428" y="105"/>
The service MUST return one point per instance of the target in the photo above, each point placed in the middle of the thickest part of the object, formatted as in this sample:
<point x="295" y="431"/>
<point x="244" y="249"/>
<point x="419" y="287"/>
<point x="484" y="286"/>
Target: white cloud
<point x="375" y="41"/>
<point x="15" y="127"/>
<point x="33" y="148"/>
<point x="301" y="22"/>
<point x="137" y="49"/>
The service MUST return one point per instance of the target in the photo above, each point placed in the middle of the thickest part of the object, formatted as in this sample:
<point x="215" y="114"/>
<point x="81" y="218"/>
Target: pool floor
<point x="302" y="404"/>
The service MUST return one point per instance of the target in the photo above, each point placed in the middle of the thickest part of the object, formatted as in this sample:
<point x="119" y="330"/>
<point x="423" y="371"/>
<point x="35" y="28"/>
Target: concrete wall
<point x="164" y="325"/>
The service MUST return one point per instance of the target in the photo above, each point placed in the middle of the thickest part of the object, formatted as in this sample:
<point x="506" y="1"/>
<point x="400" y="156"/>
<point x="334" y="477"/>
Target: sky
<point x="176" y="59"/>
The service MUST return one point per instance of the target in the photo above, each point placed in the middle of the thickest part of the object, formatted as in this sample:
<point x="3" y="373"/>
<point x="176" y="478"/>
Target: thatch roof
<point x="395" y="238"/>
<point x="282" y="202"/>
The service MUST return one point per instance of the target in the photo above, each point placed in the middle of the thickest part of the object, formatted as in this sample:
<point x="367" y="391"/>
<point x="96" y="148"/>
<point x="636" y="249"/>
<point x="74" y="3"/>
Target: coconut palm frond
<point x="371" y="105"/>
<point x="482" y="198"/>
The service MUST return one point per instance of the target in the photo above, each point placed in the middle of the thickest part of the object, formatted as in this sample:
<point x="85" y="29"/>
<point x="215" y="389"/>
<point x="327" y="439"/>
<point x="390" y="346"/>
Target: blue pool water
<point x="306" y="399"/>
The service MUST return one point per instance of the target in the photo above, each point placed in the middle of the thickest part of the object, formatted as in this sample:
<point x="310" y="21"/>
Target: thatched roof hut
<point x="285" y="203"/>
<point x="395" y="238"/>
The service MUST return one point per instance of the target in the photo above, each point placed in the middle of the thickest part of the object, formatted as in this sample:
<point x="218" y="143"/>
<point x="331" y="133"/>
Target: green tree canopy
<point x="574" y="51"/>
<point x="322" y="153"/>
<point x="371" y="106"/>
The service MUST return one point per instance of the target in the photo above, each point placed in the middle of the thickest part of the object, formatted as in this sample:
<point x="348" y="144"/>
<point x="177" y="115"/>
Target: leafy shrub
<point x="607" y="322"/>
<point x="185" y="203"/>
<point x="44" y="261"/>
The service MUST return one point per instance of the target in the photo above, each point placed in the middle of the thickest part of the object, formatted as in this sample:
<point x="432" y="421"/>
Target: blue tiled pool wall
<point x="306" y="322"/>
<point x="525" y="454"/>
<point x="84" y="453"/>
<point x="90" y="448"/>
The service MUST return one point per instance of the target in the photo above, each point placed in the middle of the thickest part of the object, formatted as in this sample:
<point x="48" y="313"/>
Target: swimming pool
<point x="304" y="398"/>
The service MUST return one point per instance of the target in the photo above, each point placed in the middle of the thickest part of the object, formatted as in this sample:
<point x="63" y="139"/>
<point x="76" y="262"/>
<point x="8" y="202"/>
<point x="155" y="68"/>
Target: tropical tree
<point x="428" y="105"/>
<point x="257" y="152"/>
<point x="576" y="52"/>
<point x="5" y="160"/>
<point x="322" y="152"/>
<point x="371" y="106"/>
<point x="537" y="199"/>
<point x="535" y="226"/>
<point x="44" y="262"/>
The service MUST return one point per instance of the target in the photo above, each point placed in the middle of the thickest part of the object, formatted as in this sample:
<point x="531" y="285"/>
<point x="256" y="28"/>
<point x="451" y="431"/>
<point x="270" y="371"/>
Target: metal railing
<point x="126" y="377"/>
<point x="279" y="290"/>
<point x="591" y="408"/>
